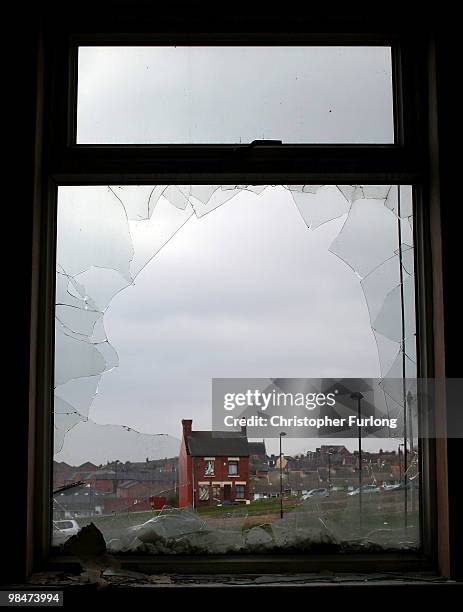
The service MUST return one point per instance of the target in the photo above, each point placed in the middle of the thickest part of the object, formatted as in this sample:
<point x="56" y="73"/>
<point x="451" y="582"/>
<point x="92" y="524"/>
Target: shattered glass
<point x="106" y="237"/>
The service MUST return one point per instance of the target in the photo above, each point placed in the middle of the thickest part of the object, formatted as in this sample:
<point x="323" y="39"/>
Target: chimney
<point x="187" y="427"/>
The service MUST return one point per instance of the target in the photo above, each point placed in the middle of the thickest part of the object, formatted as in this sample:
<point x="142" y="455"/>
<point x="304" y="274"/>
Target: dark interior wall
<point x="19" y="171"/>
<point x="449" y="116"/>
<point x="23" y="90"/>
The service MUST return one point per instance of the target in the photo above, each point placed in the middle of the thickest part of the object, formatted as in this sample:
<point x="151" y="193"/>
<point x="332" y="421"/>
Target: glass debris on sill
<point x="106" y="237"/>
<point x="309" y="528"/>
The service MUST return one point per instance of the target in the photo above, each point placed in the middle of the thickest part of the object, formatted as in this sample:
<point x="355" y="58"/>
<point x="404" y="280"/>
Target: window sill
<point x="326" y="566"/>
<point x="117" y="580"/>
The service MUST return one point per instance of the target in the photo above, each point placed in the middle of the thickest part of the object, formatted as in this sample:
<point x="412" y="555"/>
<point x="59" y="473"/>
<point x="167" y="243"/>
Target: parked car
<point x="316" y="493"/>
<point x="64" y="529"/>
<point x="411" y="484"/>
<point x="68" y="527"/>
<point x="392" y="487"/>
<point x="369" y="488"/>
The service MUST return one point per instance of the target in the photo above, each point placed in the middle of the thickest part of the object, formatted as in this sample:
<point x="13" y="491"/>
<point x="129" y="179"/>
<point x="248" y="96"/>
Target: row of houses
<point x="216" y="468"/>
<point x="88" y="489"/>
<point x="224" y="467"/>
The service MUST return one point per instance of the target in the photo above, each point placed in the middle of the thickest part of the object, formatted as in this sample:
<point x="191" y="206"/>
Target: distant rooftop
<point x="257" y="448"/>
<point x="217" y="443"/>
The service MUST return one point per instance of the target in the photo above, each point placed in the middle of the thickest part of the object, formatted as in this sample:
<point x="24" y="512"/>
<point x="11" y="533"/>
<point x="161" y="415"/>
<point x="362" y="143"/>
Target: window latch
<point x="255" y="144"/>
<point x="264" y="143"/>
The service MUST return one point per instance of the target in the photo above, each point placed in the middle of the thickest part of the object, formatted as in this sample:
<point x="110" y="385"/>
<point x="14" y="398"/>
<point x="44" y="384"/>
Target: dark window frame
<point x="405" y="162"/>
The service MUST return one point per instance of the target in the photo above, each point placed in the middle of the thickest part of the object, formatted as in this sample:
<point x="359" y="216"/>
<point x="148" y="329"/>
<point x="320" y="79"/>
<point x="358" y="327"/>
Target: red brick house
<point x="64" y="473"/>
<point x="61" y="472"/>
<point x="213" y="467"/>
<point x="131" y="489"/>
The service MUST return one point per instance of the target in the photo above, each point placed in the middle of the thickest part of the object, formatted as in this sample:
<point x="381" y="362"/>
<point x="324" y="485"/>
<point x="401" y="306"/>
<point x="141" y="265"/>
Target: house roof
<point x="128" y="484"/>
<point x="88" y="466"/>
<point x="153" y="476"/>
<point x="257" y="448"/>
<point x="98" y="475"/>
<point x="62" y="465"/>
<point x="217" y="444"/>
<point x="334" y="448"/>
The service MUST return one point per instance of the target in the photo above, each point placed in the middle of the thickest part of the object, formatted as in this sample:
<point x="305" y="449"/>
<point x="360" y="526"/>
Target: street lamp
<point x="358" y="396"/>
<point x="330" y="452"/>
<point x="400" y="463"/>
<point x="281" y="476"/>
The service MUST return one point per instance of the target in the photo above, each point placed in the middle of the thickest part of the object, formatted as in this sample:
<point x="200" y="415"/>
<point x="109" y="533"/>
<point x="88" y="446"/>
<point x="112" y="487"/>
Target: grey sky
<point x="246" y="291"/>
<point x="234" y="94"/>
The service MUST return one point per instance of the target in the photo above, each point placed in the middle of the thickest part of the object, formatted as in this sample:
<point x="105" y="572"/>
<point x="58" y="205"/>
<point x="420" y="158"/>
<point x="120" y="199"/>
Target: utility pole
<point x="359" y="397"/>
<point x="330" y="452"/>
<point x="193" y="482"/>
<point x="410" y="429"/>
<point x="400" y="464"/>
<point x="281" y="476"/>
<point x="402" y="311"/>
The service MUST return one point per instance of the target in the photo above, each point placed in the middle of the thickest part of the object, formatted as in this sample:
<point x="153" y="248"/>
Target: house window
<point x="272" y="258"/>
<point x="240" y="491"/>
<point x="204" y="493"/>
<point x="209" y="469"/>
<point x="233" y="468"/>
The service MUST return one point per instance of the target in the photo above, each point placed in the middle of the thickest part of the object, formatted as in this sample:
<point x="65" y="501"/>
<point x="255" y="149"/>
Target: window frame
<point x="65" y="163"/>
<point x="400" y="138"/>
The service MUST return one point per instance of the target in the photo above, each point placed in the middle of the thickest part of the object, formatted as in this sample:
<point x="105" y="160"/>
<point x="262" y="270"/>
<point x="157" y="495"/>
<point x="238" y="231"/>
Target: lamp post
<point x="400" y="463"/>
<point x="330" y="452"/>
<point x="358" y="396"/>
<point x="116" y="463"/>
<point x="281" y="476"/>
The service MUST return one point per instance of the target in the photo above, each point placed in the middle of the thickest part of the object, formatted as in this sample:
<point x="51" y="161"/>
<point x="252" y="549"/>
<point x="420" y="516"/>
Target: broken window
<point x="234" y="94"/>
<point x="160" y="288"/>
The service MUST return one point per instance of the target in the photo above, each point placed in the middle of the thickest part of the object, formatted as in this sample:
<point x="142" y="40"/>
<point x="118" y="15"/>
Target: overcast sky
<point x="234" y="94"/>
<point x="247" y="290"/>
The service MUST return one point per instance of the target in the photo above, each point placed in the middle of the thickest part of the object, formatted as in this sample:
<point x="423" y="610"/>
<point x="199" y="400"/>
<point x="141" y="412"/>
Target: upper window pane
<point x="197" y="95"/>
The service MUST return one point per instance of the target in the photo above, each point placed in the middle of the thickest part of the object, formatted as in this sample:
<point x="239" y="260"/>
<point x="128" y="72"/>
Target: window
<point x="204" y="493"/>
<point x="209" y="469"/>
<point x="177" y="94"/>
<point x="183" y="242"/>
<point x="122" y="210"/>
<point x="240" y="491"/>
<point x="233" y="468"/>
